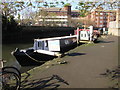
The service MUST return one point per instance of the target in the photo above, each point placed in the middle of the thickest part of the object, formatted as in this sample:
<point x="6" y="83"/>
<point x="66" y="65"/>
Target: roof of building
<point x="101" y="9"/>
<point x="75" y="11"/>
<point x="53" y="9"/>
<point x="105" y="10"/>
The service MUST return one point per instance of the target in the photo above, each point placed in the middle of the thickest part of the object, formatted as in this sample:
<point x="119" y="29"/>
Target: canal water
<point x="6" y="55"/>
<point x="10" y="60"/>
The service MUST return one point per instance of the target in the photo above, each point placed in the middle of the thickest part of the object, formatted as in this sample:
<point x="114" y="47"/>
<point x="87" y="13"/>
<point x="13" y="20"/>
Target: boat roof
<point x="56" y="38"/>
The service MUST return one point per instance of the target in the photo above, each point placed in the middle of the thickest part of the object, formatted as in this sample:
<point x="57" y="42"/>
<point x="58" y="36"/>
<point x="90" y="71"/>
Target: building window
<point x="105" y="21"/>
<point x="101" y="17"/>
<point x="101" y="21"/>
<point x="111" y="14"/>
<point x="100" y="25"/>
<point x="111" y="18"/>
<point x="106" y="13"/>
<point x="105" y="17"/>
<point x="101" y="13"/>
<point x="96" y="13"/>
<point x="96" y="17"/>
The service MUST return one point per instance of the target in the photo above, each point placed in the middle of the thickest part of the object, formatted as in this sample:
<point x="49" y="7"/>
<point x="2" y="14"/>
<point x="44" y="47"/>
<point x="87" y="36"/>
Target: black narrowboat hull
<point x="68" y="47"/>
<point x="31" y="58"/>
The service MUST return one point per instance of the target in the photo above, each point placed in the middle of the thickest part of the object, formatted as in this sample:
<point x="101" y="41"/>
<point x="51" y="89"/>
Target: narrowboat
<point x="44" y="50"/>
<point x="87" y="34"/>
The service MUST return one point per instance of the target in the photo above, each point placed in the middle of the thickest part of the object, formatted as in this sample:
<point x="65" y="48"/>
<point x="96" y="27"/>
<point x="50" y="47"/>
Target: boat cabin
<point x="54" y="44"/>
<point x="84" y="35"/>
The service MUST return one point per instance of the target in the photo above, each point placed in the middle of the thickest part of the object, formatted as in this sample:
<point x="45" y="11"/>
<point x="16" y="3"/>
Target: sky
<point x="72" y="2"/>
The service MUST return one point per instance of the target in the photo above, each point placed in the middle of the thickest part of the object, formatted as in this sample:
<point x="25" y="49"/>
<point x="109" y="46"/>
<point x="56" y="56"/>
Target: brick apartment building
<point x="57" y="16"/>
<point x="64" y="17"/>
<point x="103" y="17"/>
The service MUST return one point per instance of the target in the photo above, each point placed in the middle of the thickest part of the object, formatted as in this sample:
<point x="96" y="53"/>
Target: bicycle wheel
<point x="10" y="81"/>
<point x="12" y="69"/>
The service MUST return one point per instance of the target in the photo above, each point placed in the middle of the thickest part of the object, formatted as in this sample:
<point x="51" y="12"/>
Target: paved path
<point x="84" y="67"/>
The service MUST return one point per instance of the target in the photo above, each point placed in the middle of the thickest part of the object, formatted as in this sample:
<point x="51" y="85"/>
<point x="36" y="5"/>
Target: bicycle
<point x="10" y="77"/>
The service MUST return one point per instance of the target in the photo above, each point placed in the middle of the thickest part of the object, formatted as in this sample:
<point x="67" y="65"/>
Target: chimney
<point x="68" y="9"/>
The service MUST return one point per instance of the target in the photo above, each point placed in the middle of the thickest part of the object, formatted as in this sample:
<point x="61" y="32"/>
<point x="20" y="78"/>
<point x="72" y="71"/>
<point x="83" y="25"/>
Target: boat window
<point x="35" y="45"/>
<point x="46" y="43"/>
<point x="39" y="44"/>
<point x="81" y="35"/>
<point x="85" y="35"/>
<point x="66" y="42"/>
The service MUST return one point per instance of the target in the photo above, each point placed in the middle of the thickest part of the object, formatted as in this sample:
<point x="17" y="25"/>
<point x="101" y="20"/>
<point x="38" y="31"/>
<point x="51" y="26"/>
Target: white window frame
<point x="97" y="13"/>
<point x="101" y="17"/>
<point x="101" y="13"/>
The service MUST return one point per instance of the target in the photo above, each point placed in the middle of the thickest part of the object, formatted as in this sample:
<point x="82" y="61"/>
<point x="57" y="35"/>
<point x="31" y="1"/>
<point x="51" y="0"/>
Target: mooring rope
<point x="33" y="58"/>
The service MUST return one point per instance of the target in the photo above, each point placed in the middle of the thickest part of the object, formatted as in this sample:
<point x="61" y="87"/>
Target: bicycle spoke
<point x="10" y="81"/>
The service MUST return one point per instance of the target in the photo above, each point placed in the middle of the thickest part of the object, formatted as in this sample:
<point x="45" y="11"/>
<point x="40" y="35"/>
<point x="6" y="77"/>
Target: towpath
<point x="85" y="64"/>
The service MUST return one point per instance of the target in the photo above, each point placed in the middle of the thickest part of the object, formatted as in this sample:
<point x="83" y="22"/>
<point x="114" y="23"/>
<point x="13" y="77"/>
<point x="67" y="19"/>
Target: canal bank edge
<point x="56" y="61"/>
